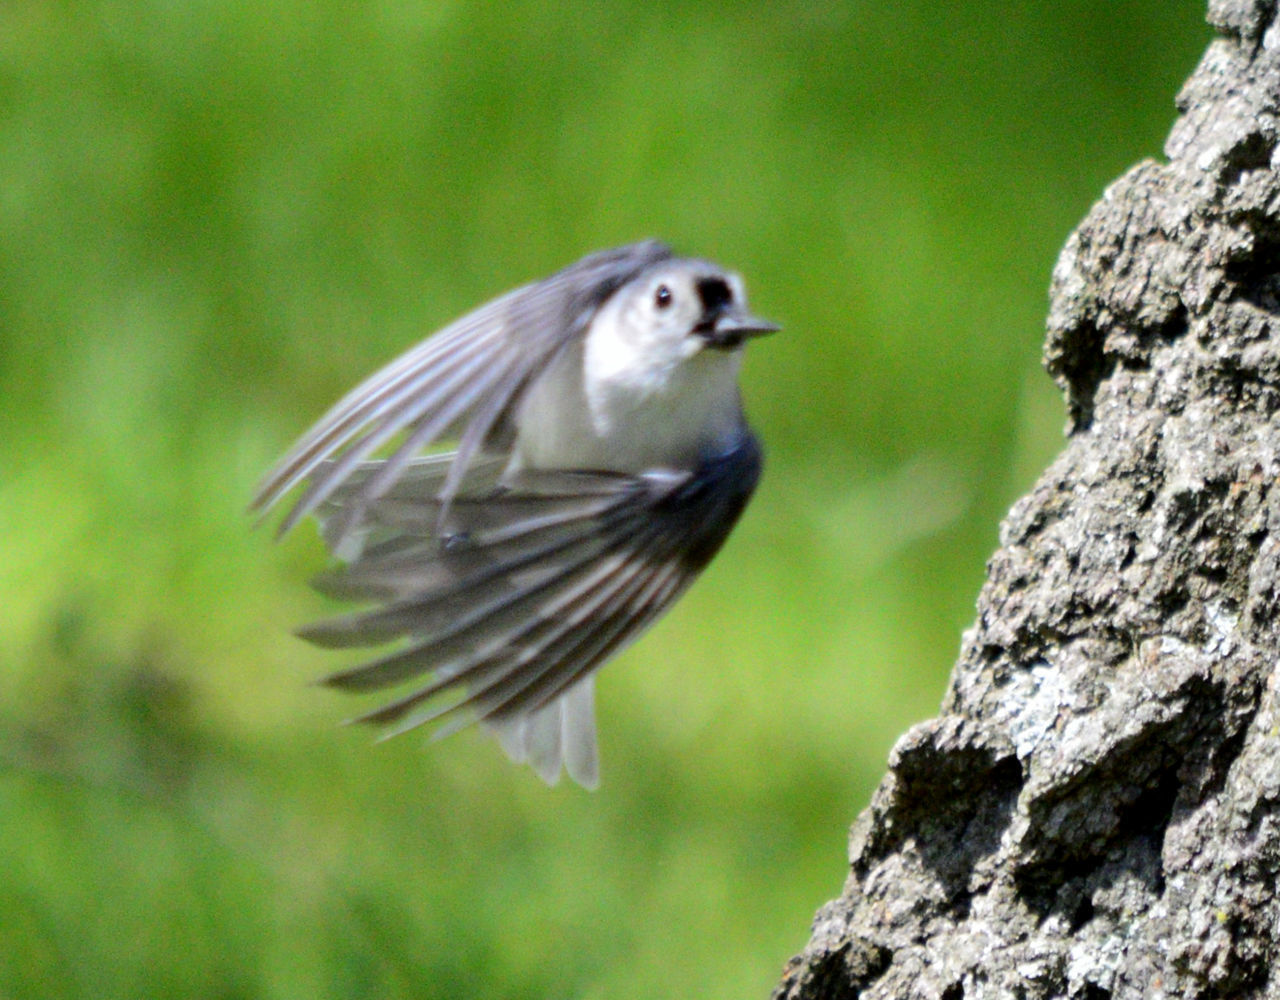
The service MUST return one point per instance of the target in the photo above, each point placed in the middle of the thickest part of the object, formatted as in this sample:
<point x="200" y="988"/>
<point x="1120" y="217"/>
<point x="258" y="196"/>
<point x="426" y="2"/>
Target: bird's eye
<point x="662" y="297"/>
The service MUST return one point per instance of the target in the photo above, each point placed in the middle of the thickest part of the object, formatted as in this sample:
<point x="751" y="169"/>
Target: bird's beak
<point x="729" y="330"/>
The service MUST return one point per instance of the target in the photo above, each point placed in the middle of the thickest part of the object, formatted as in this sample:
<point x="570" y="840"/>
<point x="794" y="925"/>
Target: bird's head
<point x="679" y="308"/>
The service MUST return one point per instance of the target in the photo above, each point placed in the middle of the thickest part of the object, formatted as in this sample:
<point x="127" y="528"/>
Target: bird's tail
<point x="561" y="732"/>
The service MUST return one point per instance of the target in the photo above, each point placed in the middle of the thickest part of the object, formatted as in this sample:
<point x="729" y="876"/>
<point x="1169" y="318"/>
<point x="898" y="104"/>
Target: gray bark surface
<point x="1094" y="812"/>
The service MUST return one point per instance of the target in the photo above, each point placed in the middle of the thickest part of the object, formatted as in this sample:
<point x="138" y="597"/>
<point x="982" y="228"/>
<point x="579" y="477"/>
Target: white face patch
<point x="642" y="347"/>
<point x="648" y="329"/>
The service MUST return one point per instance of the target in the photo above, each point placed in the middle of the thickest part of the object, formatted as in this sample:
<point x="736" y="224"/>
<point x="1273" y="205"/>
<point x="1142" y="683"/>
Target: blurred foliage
<point x="217" y="216"/>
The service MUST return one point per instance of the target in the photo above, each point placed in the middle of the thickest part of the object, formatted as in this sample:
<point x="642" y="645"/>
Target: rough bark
<point x="1094" y="813"/>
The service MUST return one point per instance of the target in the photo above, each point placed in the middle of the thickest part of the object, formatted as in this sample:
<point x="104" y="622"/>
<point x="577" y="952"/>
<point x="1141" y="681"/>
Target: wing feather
<point x="516" y="661"/>
<point x="550" y="578"/>
<point x="433" y="413"/>
<point x="462" y="380"/>
<point x="379" y="398"/>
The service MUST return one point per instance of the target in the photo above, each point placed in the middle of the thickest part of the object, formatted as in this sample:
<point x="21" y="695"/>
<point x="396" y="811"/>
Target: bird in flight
<point x="600" y="457"/>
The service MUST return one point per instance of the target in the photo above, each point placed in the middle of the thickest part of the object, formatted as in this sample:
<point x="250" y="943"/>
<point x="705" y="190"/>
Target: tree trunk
<point x="1094" y="813"/>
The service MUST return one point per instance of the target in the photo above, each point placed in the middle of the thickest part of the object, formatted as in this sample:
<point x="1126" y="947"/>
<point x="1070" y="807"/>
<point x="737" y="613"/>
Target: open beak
<point x="728" y="330"/>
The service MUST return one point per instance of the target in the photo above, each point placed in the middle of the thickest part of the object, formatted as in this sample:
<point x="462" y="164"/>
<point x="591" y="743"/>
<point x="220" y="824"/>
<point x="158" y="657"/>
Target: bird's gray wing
<point x="462" y="381"/>
<point x="533" y="586"/>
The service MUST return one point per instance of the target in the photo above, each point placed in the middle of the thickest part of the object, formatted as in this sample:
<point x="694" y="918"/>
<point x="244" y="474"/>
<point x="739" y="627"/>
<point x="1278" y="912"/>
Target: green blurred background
<point x="215" y="217"/>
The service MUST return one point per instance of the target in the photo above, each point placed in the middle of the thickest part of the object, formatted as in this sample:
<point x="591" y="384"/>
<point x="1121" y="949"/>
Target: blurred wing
<point x="461" y="381"/>
<point x="533" y="586"/>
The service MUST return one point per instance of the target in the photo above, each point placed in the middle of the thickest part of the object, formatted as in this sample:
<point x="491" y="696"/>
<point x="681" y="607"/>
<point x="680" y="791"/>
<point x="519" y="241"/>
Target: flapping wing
<point x="534" y="585"/>
<point x="461" y="381"/>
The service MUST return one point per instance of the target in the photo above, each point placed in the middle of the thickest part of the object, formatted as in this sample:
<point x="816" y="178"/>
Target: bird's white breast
<point x="608" y="405"/>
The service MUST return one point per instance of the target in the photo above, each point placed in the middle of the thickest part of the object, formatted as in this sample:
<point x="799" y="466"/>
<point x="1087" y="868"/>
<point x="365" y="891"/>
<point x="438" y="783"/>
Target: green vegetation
<point x="216" y="217"/>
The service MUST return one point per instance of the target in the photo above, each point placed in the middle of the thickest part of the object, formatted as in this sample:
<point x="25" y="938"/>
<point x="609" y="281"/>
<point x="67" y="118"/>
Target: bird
<point x="522" y="494"/>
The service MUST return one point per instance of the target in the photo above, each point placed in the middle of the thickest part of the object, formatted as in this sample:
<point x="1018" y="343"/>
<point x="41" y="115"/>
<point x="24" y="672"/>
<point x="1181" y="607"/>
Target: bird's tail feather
<point x="561" y="732"/>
